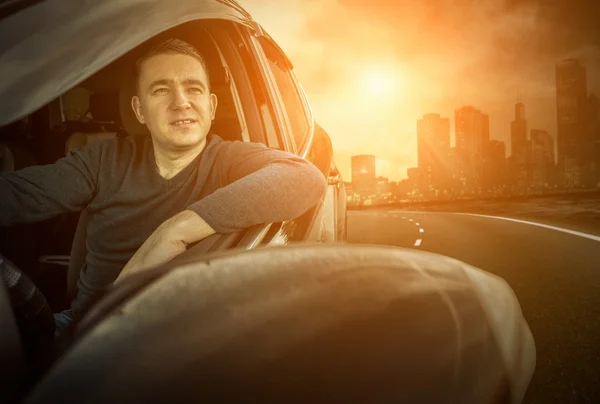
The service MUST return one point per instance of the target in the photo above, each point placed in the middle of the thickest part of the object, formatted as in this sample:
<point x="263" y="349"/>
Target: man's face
<point x="174" y="102"/>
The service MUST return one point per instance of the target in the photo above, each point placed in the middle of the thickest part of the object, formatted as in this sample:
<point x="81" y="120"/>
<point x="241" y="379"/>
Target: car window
<point x="76" y="104"/>
<point x="257" y="107"/>
<point x="229" y="120"/>
<point x="294" y="107"/>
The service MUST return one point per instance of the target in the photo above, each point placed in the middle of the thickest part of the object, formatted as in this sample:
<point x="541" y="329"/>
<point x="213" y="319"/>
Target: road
<point x="555" y="275"/>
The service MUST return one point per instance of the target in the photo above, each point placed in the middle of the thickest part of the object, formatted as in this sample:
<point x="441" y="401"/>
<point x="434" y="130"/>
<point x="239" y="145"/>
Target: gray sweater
<point x="231" y="185"/>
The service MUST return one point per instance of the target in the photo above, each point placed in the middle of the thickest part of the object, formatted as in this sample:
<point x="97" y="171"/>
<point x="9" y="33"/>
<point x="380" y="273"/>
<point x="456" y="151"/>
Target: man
<point x="149" y="198"/>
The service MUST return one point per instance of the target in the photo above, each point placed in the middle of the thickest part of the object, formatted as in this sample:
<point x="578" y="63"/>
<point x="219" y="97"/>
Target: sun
<point x="381" y="82"/>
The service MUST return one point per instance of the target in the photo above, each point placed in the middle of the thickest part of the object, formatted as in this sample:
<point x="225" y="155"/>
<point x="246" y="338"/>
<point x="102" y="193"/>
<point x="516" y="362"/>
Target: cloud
<point x="479" y="50"/>
<point x="514" y="37"/>
<point x="452" y="53"/>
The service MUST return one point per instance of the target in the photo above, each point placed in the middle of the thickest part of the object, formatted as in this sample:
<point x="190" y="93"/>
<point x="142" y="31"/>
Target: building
<point x="402" y="189"/>
<point x="594" y="139"/>
<point x="349" y="192"/>
<point x="472" y="132"/>
<point x="364" y="179"/>
<point x="413" y="180"/>
<point x="520" y="152"/>
<point x="383" y="188"/>
<point x="433" y="150"/>
<point x="572" y="111"/>
<point x="496" y="170"/>
<point x="457" y="184"/>
<point x="542" y="150"/>
<point x="395" y="191"/>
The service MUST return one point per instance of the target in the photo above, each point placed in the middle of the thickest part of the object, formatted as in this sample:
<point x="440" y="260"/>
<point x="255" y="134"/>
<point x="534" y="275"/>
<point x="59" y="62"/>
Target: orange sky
<point x="372" y="68"/>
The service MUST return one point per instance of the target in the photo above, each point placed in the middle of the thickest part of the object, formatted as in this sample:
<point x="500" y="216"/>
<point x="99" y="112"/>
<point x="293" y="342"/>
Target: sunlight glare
<point x="378" y="82"/>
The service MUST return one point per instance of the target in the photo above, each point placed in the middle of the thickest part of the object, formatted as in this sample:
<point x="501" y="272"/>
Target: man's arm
<point x="168" y="241"/>
<point x="40" y="192"/>
<point x="263" y="185"/>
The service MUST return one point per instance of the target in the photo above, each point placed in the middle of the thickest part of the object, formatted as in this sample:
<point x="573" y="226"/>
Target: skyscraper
<point x="542" y="147"/>
<point x="496" y="165"/>
<point x="472" y="140"/>
<point x="413" y="174"/>
<point x="594" y="139"/>
<point x="364" y="180"/>
<point x="571" y="107"/>
<point x="519" y="148"/>
<point x="433" y="149"/>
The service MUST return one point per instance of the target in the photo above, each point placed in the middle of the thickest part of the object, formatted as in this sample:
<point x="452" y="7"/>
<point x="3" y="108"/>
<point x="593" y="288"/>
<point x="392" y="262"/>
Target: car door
<point x="305" y="138"/>
<point x="277" y="113"/>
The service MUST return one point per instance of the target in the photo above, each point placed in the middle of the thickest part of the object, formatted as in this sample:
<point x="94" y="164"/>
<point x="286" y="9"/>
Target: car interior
<point x="52" y="252"/>
<point x="96" y="109"/>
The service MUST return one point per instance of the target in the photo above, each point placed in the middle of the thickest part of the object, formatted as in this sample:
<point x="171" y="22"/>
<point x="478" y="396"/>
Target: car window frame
<point x="268" y="44"/>
<point x="235" y="92"/>
<point x="232" y="39"/>
<point x="307" y="226"/>
<point x="260" y="121"/>
<point x="229" y="42"/>
<point x="292" y="83"/>
<point x="273" y="92"/>
<point x="309" y="113"/>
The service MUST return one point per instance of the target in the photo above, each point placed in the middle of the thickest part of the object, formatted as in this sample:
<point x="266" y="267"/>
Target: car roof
<point x="49" y="46"/>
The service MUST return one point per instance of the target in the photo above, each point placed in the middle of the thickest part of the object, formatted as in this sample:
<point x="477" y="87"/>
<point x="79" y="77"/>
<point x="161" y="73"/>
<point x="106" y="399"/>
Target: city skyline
<point x="575" y="141"/>
<point x="371" y="69"/>
<point x="476" y="165"/>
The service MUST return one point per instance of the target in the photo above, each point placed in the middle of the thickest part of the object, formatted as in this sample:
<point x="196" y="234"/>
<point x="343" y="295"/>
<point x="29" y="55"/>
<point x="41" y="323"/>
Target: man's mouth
<point x="183" y="122"/>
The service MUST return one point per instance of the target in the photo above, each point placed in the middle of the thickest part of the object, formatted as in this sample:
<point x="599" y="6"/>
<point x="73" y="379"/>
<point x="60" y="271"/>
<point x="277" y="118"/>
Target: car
<point x="274" y="313"/>
<point x="70" y="84"/>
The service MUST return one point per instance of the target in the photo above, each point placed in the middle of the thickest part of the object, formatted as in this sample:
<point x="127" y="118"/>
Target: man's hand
<point x="168" y="241"/>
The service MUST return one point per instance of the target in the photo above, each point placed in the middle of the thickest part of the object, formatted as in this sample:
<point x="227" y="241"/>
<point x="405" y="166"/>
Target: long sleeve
<point x="262" y="185"/>
<point x="41" y="192"/>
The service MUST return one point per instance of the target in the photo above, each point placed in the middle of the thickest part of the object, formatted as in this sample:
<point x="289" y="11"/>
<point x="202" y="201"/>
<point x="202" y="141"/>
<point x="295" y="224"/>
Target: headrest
<point x="104" y="107"/>
<point x="79" y="139"/>
<point x="129" y="121"/>
<point x="7" y="161"/>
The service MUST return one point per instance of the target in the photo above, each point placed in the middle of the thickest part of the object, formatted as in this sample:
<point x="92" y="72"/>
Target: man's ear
<point x="136" y="105"/>
<point x="213" y="104"/>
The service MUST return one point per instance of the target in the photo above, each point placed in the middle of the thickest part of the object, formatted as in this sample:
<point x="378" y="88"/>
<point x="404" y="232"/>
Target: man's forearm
<point x="38" y="193"/>
<point x="168" y="241"/>
<point x="186" y="227"/>
<point x="275" y="193"/>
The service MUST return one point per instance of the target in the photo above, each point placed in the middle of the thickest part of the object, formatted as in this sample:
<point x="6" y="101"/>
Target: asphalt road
<point x="555" y="275"/>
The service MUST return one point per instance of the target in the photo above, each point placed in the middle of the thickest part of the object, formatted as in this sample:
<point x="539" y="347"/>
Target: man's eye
<point x="195" y="90"/>
<point x="160" y="90"/>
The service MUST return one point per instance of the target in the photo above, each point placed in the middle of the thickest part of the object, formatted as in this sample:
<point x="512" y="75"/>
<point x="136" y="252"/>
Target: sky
<point x="372" y="68"/>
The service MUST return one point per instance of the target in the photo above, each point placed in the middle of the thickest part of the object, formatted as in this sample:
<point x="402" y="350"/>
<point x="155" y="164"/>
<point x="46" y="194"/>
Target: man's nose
<point x="180" y="99"/>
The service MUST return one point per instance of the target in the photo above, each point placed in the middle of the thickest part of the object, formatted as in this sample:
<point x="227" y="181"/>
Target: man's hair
<point x="170" y="46"/>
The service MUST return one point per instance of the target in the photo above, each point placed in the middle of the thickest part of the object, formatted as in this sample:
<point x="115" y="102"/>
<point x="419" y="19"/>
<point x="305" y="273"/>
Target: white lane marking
<point x="418" y="242"/>
<point x="416" y="224"/>
<point x="410" y="220"/>
<point x="421" y="230"/>
<point x="573" y="232"/>
<point x="403" y="217"/>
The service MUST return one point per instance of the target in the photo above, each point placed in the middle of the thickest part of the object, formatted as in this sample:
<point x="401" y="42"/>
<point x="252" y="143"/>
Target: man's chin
<point x="188" y="140"/>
